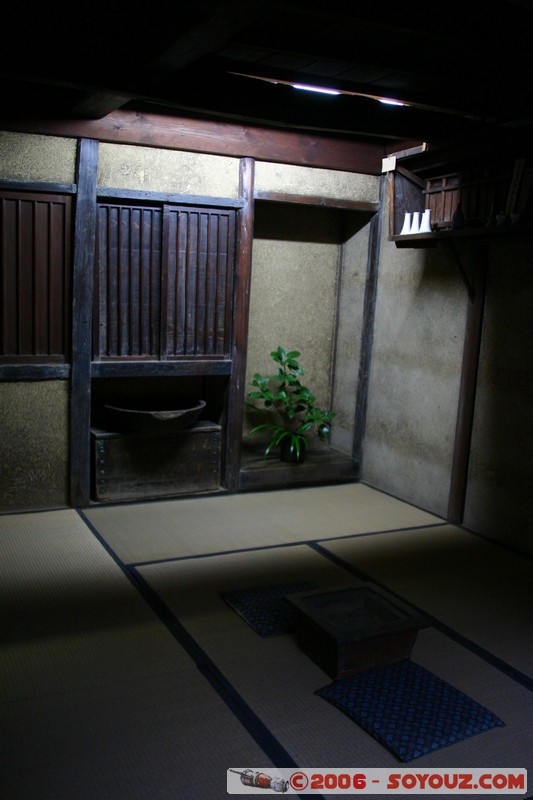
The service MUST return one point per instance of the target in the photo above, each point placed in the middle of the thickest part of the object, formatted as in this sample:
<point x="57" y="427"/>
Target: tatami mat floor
<point x="124" y="674"/>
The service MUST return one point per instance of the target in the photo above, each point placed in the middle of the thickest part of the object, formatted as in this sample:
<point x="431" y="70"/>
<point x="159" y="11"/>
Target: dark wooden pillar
<point x="367" y="333"/>
<point x="467" y="391"/>
<point x="82" y="299"/>
<point x="243" y="270"/>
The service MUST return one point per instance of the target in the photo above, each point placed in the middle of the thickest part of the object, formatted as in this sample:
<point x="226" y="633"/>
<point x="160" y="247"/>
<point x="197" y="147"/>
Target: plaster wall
<point x="34" y="453"/>
<point x="310" y="181"/>
<point x="353" y="258"/>
<point x="499" y="501"/>
<point x="415" y="380"/>
<point x="171" y="171"/>
<point x="415" y="375"/>
<point x="293" y="293"/>
<point x="30" y="157"/>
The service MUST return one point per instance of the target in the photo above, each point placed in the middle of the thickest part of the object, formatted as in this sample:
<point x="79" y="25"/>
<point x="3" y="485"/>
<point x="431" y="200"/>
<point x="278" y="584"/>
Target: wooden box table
<point x="353" y="628"/>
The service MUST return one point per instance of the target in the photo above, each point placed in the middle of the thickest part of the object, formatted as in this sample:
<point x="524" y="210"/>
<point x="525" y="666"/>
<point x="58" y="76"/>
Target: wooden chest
<point x="354" y="628"/>
<point x="132" y="466"/>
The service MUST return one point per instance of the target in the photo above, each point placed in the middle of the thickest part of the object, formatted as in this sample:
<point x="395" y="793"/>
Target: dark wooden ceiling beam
<point x="222" y="138"/>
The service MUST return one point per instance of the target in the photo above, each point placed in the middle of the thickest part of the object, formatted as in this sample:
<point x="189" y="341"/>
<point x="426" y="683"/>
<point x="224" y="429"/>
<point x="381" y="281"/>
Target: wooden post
<point x="82" y="301"/>
<point x="367" y="333"/>
<point x="241" y="300"/>
<point x="467" y="391"/>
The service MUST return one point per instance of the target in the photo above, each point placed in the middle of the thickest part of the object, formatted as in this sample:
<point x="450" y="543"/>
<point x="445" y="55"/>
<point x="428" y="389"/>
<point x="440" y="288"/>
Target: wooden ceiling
<point x="461" y="66"/>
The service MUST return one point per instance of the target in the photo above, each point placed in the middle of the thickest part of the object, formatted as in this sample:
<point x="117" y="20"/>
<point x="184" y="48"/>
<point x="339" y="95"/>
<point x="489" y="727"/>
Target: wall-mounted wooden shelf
<point x="496" y="199"/>
<point x="368" y="206"/>
<point x="427" y="240"/>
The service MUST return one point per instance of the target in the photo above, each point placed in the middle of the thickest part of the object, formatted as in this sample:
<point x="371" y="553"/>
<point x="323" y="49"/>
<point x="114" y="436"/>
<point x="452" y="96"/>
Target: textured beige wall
<point x="172" y="171"/>
<point x="320" y="182"/>
<point x="352" y="282"/>
<point x="499" y="501"/>
<point x="415" y="380"/>
<point x="293" y="292"/>
<point x="29" y="157"/>
<point x="415" y="375"/>
<point x="34" y="444"/>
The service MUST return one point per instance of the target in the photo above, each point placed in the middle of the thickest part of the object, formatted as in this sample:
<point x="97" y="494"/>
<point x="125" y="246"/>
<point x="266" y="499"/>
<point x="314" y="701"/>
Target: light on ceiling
<point x="389" y="102"/>
<point x="319" y="89"/>
<point x="322" y="90"/>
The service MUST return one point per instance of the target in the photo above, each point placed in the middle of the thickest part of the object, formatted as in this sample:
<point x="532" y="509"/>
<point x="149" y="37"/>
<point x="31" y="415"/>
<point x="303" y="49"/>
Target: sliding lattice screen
<point x="164" y="282"/>
<point x="35" y="278"/>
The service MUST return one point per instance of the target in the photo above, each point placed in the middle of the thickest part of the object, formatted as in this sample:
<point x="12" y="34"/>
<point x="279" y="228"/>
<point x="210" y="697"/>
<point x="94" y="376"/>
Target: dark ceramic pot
<point x="291" y="457"/>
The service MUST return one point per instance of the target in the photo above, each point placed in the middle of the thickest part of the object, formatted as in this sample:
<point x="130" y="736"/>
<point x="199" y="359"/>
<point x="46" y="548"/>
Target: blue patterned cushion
<point x="408" y="709"/>
<point x="264" y="608"/>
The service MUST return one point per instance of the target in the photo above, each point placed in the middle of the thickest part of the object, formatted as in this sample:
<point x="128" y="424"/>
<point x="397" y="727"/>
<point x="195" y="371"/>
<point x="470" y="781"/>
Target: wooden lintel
<point x="217" y="138"/>
<point x="167" y="197"/>
<point x="129" y="368"/>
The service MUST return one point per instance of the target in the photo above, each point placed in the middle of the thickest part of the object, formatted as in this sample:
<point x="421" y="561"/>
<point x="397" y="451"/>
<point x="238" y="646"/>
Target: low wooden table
<point x="353" y="628"/>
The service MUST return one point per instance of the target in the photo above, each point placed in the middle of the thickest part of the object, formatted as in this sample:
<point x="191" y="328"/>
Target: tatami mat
<point x="125" y="675"/>
<point x="144" y="739"/>
<point x="71" y="618"/>
<point x="98" y="700"/>
<point x="149" y="531"/>
<point x="278" y="680"/>
<point x="477" y="588"/>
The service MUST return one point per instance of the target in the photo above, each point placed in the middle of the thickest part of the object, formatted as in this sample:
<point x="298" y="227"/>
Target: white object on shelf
<point x="425" y="222"/>
<point x="406" y="224"/>
<point x="415" y="224"/>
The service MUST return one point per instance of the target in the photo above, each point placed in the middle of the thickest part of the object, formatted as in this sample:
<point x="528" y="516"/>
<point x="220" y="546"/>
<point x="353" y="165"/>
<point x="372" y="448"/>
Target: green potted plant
<point x="290" y="406"/>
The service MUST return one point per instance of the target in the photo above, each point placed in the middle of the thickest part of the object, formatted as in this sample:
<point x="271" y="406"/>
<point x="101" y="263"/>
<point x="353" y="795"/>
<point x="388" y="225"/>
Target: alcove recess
<point x="308" y="280"/>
